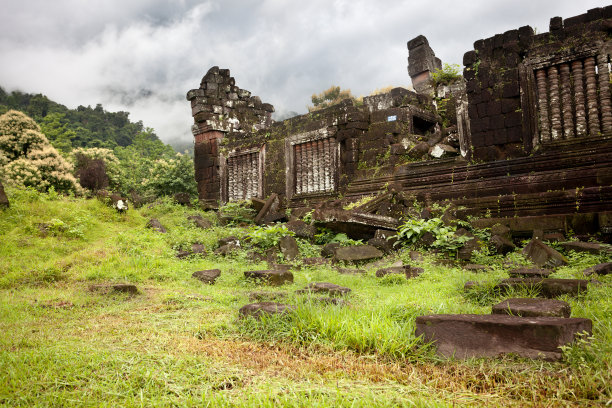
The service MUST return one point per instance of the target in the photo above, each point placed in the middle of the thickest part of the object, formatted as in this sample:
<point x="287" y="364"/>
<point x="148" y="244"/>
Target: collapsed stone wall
<point x="531" y="119"/>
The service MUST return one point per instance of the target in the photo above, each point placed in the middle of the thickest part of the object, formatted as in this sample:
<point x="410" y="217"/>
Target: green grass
<point x="180" y="342"/>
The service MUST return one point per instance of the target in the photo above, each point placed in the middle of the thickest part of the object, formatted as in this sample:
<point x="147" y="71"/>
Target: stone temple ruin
<point x="525" y="137"/>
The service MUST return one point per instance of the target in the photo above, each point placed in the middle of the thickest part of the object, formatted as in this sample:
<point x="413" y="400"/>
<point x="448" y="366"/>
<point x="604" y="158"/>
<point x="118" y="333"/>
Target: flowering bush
<point x="28" y="159"/>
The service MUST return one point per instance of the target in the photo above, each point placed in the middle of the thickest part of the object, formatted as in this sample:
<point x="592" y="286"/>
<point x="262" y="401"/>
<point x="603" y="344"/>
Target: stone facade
<point x="526" y="132"/>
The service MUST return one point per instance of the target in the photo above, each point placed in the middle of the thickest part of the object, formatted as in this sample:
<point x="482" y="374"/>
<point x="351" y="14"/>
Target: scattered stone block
<point x="316" y="260"/>
<point x="288" y="247"/>
<point x="301" y="229"/>
<point x="407" y="270"/>
<point x="200" y="222"/>
<point x="154" y="224"/>
<point x="528" y="307"/>
<point x="182" y="199"/>
<point x="270" y="276"/>
<point x="502" y="244"/>
<point x="226" y="249"/>
<point x="549" y="288"/>
<point x="354" y="224"/>
<point x="115" y="288"/>
<point x="196" y="249"/>
<point x="381" y="244"/>
<point x="442" y="150"/>
<point x="543" y="255"/>
<point x="530" y="273"/>
<point x="4" y="201"/>
<point x="271" y="205"/>
<point x="257" y="310"/>
<point x="348" y="271"/>
<point x="465" y="335"/>
<point x="357" y="253"/>
<point x="501" y="230"/>
<point x="208" y="276"/>
<point x="600" y="269"/>
<point x="329" y="249"/>
<point x="475" y="267"/>
<point x="262" y="296"/>
<point x="325" y="287"/>
<point x="578" y="246"/>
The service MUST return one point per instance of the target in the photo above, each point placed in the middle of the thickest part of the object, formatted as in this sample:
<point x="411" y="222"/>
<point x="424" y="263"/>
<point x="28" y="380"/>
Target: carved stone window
<point x="312" y="161"/>
<point x="243" y="175"/>
<point x="573" y="98"/>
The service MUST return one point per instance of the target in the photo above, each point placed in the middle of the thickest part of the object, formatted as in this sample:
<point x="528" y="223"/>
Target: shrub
<point x="96" y="168"/>
<point x="27" y="157"/>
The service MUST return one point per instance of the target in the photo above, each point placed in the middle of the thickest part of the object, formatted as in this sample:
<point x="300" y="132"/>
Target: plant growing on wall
<point x="329" y="97"/>
<point x="447" y="75"/>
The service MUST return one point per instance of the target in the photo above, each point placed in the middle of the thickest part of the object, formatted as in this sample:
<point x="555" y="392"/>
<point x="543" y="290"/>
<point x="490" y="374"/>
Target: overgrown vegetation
<point x="180" y="343"/>
<point x="448" y="74"/>
<point x="146" y="167"/>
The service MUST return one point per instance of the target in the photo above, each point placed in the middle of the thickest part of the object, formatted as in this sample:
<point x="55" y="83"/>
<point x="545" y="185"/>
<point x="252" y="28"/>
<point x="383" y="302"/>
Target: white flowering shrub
<point x="28" y="159"/>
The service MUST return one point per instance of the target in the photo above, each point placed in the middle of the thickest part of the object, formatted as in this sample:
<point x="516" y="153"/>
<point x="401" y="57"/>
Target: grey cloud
<point x="142" y="56"/>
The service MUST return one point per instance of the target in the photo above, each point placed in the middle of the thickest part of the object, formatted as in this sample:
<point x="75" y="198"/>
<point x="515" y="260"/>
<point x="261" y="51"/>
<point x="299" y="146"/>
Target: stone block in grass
<point x="529" y="307"/>
<point x="273" y="277"/>
<point x="579" y="246"/>
<point x="155" y="225"/>
<point x="257" y="310"/>
<point x="357" y="253"/>
<point x="600" y="269"/>
<point x="208" y="276"/>
<point x="325" y="287"/>
<point x="549" y="288"/>
<point x="543" y="255"/>
<point x="114" y="288"/>
<point x="467" y="335"/>
<point x="530" y="273"/>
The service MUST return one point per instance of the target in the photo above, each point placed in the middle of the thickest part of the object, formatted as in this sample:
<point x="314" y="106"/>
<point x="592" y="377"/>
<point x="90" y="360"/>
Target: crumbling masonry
<point x="525" y="136"/>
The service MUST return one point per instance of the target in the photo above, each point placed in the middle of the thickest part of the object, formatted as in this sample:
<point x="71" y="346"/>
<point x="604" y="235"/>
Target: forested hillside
<point x="71" y="128"/>
<point x="44" y="144"/>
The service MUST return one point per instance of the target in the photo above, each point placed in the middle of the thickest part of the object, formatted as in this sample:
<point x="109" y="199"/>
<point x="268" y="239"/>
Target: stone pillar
<point x="422" y="62"/>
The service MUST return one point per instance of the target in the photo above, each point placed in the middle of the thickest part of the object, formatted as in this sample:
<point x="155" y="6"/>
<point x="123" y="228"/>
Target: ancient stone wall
<point x="526" y="90"/>
<point x="526" y="133"/>
<point x="218" y="107"/>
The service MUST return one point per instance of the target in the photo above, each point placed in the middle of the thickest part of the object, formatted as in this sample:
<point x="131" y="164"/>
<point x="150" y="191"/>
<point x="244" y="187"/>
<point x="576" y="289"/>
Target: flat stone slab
<point x="407" y="270"/>
<point x="579" y="246"/>
<point x="600" y="269"/>
<point x="530" y="273"/>
<point x="208" y="276"/>
<point x="549" y="288"/>
<point x="115" y="287"/>
<point x="325" y="287"/>
<point x="257" y="310"/>
<point x="332" y="301"/>
<point x="273" y="277"/>
<point x="315" y="260"/>
<point x="528" y="307"/>
<point x="466" y="335"/>
<point x="357" y="253"/>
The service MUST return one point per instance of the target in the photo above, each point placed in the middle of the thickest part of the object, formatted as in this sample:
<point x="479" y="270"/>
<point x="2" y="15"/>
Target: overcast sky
<point x="142" y="56"/>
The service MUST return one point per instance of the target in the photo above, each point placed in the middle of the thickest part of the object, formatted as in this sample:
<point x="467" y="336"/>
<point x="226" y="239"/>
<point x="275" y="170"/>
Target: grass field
<point x="180" y="343"/>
